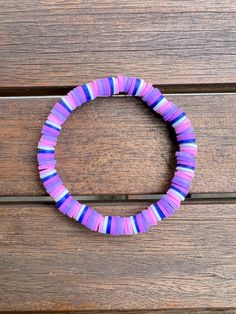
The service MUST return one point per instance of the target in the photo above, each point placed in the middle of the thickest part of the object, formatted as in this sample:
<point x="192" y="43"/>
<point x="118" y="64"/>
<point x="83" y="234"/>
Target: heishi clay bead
<point x="181" y="182"/>
<point x="163" y="208"/>
<point x="54" y="119"/>
<point x="128" y="84"/>
<point x="91" y="219"/>
<point x="145" y="90"/>
<point x="79" y="95"/>
<point x="154" y="98"/>
<point x="173" y="200"/>
<point x="70" y="211"/>
<point x="64" y="207"/>
<point x="120" y="82"/>
<point x="132" y="86"/>
<point x="127" y="226"/>
<point x="69" y="101"/>
<point x="98" y="219"/>
<point x="84" y="214"/>
<point x="171" y="112"/>
<point x="134" y="224"/>
<point x="90" y="222"/>
<point x="101" y="222"/>
<point x="155" y="212"/>
<point x="114" y="224"/>
<point x="107" y="86"/>
<point x="72" y="95"/>
<point x="176" y="194"/>
<point x="162" y="107"/>
<point x="184" y="174"/>
<point x="75" y="209"/>
<point x="143" y="226"/>
<point x="150" y="220"/>
<point x="173" y="206"/>
<point x="57" y="191"/>
<point x="121" y="226"/>
<point x="95" y="88"/>
<point x="166" y="205"/>
<point x="101" y="90"/>
<point x="137" y="87"/>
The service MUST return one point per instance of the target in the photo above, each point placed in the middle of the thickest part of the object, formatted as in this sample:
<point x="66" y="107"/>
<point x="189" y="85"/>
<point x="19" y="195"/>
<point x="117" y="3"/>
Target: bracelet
<point x="88" y="216"/>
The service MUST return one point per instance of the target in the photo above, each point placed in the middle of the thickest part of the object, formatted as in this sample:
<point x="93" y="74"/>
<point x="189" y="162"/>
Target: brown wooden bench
<point x="114" y="153"/>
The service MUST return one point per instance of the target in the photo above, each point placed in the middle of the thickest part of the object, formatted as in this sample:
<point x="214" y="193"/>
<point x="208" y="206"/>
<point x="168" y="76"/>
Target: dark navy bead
<point x="111" y="83"/>
<point x="83" y="213"/>
<point x="62" y="200"/>
<point x="45" y="151"/>
<point x="185" y="166"/>
<point x="86" y="92"/>
<point x="161" y="214"/>
<point x="49" y="177"/>
<point x="136" y="86"/>
<point x="61" y="102"/>
<point x="52" y="126"/>
<point x="108" y="225"/>
<point x="136" y="223"/>
<point x="177" y="118"/>
<point x="178" y="190"/>
<point x="153" y="105"/>
<point x="187" y="141"/>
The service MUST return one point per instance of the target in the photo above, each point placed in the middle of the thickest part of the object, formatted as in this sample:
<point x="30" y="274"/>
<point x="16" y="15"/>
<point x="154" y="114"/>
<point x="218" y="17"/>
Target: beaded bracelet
<point x="85" y="214"/>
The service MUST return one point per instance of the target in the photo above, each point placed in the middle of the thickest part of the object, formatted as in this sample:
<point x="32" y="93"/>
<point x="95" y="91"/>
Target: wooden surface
<point x="118" y="146"/>
<point x="51" y="43"/>
<point x="117" y="149"/>
<point x="186" y="261"/>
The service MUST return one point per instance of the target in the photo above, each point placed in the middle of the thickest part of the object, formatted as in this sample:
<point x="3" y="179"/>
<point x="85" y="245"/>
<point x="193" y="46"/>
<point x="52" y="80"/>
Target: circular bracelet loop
<point x="87" y="215"/>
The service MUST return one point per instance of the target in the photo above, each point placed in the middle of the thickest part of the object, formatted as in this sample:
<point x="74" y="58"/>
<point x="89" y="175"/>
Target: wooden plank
<point x="50" y="263"/>
<point x="118" y="145"/>
<point x="182" y="311"/>
<point x="167" y="42"/>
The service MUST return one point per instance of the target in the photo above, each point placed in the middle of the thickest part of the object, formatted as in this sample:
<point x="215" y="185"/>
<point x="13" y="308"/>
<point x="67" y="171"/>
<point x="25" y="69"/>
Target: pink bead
<point x="76" y="208"/>
<point x="128" y="226"/>
<point x="100" y="227"/>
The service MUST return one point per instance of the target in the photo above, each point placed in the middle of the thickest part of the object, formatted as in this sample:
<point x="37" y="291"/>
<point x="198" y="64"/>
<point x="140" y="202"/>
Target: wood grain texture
<point x="49" y="262"/>
<point x="58" y="43"/>
<point x="118" y="145"/>
<point x="167" y="311"/>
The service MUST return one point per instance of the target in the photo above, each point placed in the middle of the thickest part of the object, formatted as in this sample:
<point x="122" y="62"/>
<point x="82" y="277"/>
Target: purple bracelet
<point x="88" y="216"/>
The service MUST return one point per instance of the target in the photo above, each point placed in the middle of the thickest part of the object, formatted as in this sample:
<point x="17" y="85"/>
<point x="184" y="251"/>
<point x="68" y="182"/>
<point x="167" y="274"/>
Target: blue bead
<point x="108" y="225"/>
<point x="62" y="200"/>
<point x="161" y="214"/>
<point x="178" y="190"/>
<point x="177" y="118"/>
<point x="136" y="223"/>
<point x="45" y="151"/>
<point x="185" y="166"/>
<point x="52" y="126"/>
<point x="61" y="102"/>
<point x="49" y="177"/>
<point x="153" y="105"/>
<point x="86" y="91"/>
<point x="111" y="85"/>
<point x="83" y="213"/>
<point x="187" y="141"/>
<point x="136" y="86"/>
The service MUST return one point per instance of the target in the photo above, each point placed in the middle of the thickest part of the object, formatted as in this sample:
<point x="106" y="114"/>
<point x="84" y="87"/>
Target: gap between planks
<point x="167" y="89"/>
<point x="106" y="199"/>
